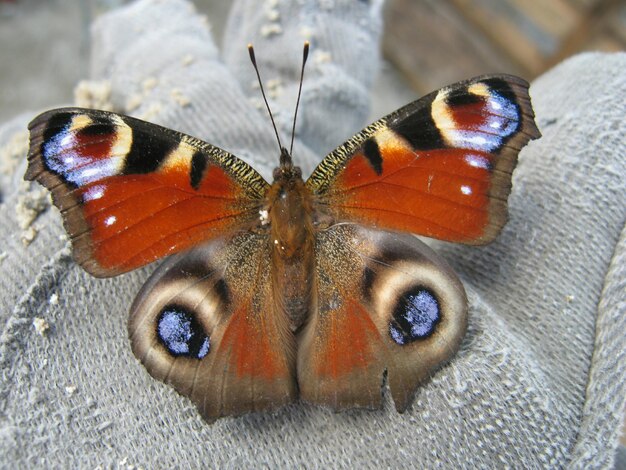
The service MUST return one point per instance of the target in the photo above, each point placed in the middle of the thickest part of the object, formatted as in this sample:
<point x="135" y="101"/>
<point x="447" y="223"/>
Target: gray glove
<point x="539" y="380"/>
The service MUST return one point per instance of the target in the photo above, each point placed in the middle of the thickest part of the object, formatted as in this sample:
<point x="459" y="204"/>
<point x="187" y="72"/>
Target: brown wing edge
<point x="501" y="183"/>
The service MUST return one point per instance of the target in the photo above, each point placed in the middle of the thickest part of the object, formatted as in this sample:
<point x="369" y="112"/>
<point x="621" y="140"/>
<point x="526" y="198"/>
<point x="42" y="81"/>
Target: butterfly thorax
<point x="292" y="242"/>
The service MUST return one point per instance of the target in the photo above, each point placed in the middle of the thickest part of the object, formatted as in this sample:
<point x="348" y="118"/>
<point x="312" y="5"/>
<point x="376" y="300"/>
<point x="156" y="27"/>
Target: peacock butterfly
<point x="296" y="288"/>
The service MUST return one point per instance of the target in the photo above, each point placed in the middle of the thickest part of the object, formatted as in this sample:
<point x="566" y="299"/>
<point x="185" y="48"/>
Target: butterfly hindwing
<point x="440" y="166"/>
<point x="207" y="323"/>
<point x="131" y="192"/>
<point x="385" y="302"/>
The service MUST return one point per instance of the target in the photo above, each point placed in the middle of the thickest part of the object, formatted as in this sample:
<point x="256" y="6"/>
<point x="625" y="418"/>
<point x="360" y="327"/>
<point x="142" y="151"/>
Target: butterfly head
<point x="286" y="171"/>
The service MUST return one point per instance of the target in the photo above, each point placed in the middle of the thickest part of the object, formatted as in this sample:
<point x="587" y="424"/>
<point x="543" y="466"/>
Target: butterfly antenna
<point x="258" y="76"/>
<point x="305" y="55"/>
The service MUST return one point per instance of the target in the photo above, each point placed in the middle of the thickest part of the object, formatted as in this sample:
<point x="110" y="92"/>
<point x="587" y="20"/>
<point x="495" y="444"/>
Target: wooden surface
<point x="436" y="42"/>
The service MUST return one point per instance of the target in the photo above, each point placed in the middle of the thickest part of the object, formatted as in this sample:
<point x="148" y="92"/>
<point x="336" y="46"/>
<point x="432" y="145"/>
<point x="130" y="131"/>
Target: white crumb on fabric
<point x="178" y="96"/>
<point x="4" y="255"/>
<point x="34" y="395"/>
<point x="322" y="57"/>
<point x="41" y="326"/>
<point x="273" y="15"/>
<point x="13" y="152"/>
<point x="306" y="32"/>
<point x="70" y="390"/>
<point x="54" y="299"/>
<point x="274" y="88"/>
<point x="191" y="8"/>
<point x="569" y="298"/>
<point x="149" y="84"/>
<point x="257" y="103"/>
<point x="204" y="21"/>
<point x="188" y="60"/>
<point x="93" y="94"/>
<point x="29" y="206"/>
<point x="133" y="102"/>
<point x="29" y="235"/>
<point x="153" y="111"/>
<point x="272" y="29"/>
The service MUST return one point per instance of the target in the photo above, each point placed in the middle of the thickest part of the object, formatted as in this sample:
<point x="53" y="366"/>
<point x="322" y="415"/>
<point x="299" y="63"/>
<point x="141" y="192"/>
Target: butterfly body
<point x="310" y="289"/>
<point x="291" y="228"/>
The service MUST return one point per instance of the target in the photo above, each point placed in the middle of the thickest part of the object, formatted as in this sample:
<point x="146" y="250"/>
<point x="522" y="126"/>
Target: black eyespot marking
<point x="181" y="334"/>
<point x="415" y="316"/>
<point x="198" y="165"/>
<point x="101" y="128"/>
<point x="419" y="128"/>
<point x="502" y="88"/>
<point x="372" y="153"/>
<point x="462" y="97"/>
<point x="58" y="124"/>
<point x="147" y="152"/>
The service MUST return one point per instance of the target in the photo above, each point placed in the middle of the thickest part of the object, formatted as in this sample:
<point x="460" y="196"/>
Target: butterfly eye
<point x="181" y="334"/>
<point x="415" y="316"/>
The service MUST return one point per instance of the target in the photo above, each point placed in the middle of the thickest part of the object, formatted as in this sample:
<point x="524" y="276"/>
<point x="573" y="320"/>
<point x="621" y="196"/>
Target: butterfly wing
<point x="207" y="323"/>
<point x="440" y="166"/>
<point x="131" y="192"/>
<point x="385" y="302"/>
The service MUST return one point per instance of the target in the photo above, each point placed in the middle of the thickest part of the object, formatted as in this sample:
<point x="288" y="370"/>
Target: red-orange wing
<point x="440" y="166"/>
<point x="131" y="192"/>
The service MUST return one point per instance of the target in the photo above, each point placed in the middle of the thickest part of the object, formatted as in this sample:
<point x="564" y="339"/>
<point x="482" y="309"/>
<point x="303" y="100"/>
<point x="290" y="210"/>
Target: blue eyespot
<point x="181" y="334"/>
<point x="415" y="316"/>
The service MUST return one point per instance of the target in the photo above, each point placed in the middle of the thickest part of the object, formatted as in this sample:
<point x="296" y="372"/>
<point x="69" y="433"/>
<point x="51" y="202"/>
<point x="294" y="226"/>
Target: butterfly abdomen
<point x="292" y="244"/>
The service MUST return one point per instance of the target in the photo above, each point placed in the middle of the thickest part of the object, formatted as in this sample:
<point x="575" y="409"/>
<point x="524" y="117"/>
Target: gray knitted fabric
<point x="540" y="377"/>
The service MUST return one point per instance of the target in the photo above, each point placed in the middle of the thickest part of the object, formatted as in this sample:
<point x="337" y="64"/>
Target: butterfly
<point x="292" y="289"/>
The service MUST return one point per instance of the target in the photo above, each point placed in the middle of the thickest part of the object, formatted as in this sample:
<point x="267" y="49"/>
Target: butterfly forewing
<point x="131" y="192"/>
<point x="439" y="167"/>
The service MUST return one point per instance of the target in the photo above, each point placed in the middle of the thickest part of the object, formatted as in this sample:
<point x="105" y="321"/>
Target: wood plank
<point x="529" y="32"/>
<point x="433" y="45"/>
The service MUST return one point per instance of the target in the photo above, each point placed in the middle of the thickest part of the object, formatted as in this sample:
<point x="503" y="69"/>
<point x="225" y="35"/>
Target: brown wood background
<point x="436" y="42"/>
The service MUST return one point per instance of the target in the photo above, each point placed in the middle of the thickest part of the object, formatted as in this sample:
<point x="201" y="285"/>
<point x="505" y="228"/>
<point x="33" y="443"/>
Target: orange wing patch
<point x="133" y="220"/>
<point x="349" y="343"/>
<point x="439" y="193"/>
<point x="251" y="353"/>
